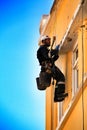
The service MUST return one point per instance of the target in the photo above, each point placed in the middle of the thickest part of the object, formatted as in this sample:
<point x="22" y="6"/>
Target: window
<point x="75" y="70"/>
<point x="60" y="111"/>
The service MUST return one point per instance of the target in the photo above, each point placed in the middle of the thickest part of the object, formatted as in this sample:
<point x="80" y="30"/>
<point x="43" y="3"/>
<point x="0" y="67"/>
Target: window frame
<point x="60" y="111"/>
<point x="75" y="69"/>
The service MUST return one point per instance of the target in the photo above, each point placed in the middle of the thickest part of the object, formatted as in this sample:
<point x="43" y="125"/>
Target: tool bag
<point x="43" y="81"/>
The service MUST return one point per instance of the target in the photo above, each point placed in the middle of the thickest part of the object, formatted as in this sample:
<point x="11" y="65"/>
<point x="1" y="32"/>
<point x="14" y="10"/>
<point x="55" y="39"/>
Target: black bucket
<point x="39" y="85"/>
<point x="43" y="81"/>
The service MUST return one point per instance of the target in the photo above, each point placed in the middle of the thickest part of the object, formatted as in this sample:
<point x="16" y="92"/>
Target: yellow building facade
<point x="68" y="22"/>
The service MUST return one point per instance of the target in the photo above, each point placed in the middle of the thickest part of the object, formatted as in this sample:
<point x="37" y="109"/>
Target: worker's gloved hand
<point x="57" y="47"/>
<point x="54" y="52"/>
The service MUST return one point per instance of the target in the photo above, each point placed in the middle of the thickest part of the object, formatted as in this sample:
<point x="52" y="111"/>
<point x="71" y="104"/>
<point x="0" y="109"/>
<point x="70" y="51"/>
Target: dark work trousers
<point x="57" y="74"/>
<point x="60" y="83"/>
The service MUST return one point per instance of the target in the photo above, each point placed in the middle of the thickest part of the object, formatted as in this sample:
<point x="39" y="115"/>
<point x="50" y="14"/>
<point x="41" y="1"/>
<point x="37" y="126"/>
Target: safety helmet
<point x="45" y="37"/>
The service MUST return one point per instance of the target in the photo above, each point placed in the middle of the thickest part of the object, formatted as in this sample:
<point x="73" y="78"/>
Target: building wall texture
<point x="69" y="24"/>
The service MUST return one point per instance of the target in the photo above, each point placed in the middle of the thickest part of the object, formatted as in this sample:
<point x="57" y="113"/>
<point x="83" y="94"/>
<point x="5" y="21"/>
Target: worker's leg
<point x="57" y="74"/>
<point x="59" y="94"/>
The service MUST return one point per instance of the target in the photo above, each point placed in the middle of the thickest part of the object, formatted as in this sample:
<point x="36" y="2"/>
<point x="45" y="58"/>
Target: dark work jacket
<point x="43" y="55"/>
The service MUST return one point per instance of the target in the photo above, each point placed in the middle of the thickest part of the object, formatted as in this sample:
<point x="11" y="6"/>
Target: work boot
<point x="60" y="94"/>
<point x="60" y="97"/>
<point x="60" y="88"/>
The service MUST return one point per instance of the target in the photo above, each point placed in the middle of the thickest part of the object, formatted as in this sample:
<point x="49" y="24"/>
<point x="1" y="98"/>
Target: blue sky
<point x="22" y="105"/>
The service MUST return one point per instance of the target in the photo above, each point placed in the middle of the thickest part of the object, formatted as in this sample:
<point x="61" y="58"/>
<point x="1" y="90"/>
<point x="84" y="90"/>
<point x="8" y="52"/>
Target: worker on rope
<point x="47" y="58"/>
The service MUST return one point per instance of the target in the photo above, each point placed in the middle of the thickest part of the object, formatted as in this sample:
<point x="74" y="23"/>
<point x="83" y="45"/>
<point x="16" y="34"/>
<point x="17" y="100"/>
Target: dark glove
<point x="54" y="52"/>
<point x="57" y="47"/>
